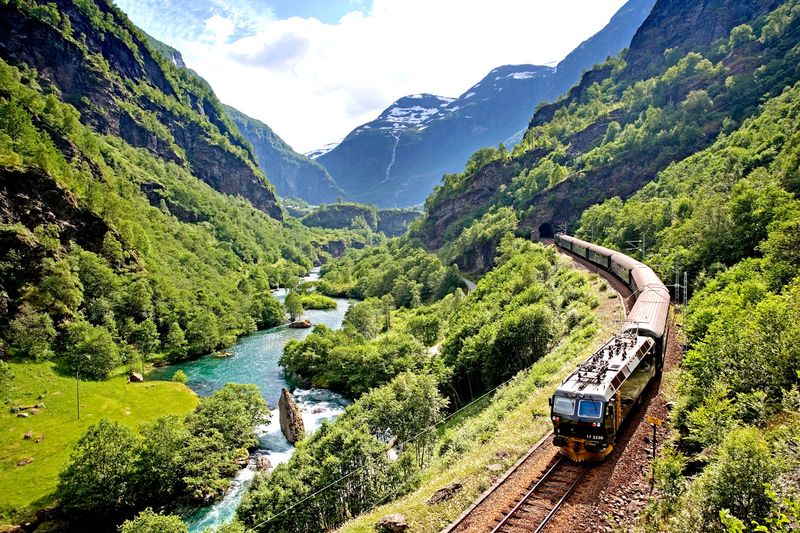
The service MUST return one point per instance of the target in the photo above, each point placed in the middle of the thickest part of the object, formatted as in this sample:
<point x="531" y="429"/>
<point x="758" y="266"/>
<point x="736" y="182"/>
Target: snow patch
<point x="313" y="154"/>
<point x="469" y="95"/>
<point x="520" y="75"/>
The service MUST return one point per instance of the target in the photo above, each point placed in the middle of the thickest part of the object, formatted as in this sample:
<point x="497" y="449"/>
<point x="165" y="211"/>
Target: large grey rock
<point x="445" y="493"/>
<point x="290" y="418"/>
<point x="393" y="523"/>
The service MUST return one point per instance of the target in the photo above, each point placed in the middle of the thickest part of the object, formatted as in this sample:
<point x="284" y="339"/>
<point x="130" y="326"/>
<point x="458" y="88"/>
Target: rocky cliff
<point x="681" y="82"/>
<point x="398" y="158"/>
<point x="294" y="175"/>
<point x="100" y="63"/>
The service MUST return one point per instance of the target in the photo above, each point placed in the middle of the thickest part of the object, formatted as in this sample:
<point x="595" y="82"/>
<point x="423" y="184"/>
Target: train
<point x="593" y="403"/>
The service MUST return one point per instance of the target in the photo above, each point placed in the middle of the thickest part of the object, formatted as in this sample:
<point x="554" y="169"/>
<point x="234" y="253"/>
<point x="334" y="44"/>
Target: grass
<point x="513" y="420"/>
<point x="26" y="488"/>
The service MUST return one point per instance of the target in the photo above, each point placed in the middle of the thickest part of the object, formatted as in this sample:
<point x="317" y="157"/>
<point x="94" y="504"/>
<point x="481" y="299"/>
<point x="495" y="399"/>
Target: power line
<point x="364" y="466"/>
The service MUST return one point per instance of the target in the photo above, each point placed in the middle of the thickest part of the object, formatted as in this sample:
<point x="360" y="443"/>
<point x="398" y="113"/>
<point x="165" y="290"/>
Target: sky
<point x="314" y="70"/>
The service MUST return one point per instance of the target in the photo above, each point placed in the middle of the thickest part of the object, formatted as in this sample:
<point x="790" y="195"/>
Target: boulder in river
<point x="290" y="418"/>
<point x="263" y="462"/>
<point x="300" y="324"/>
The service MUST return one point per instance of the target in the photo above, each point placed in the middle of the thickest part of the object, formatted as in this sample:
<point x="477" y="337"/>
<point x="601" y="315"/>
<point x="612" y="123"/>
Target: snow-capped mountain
<point x="397" y="159"/>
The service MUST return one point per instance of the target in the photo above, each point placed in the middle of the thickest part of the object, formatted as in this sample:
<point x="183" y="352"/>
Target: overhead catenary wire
<point x="364" y="466"/>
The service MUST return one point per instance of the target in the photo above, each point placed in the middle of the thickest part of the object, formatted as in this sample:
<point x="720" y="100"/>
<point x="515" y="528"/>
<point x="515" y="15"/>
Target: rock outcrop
<point x="194" y="130"/>
<point x="393" y="523"/>
<point x="294" y="175"/>
<point x="290" y="417"/>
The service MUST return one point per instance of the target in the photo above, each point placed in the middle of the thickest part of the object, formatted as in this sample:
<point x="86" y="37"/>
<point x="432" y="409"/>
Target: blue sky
<point x="315" y="69"/>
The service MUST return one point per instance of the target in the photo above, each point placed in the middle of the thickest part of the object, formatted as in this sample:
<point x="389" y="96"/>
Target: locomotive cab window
<point x="563" y="405"/>
<point x="590" y="409"/>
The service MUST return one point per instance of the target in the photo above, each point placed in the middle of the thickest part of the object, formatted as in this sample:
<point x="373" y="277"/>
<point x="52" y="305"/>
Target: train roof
<point x="649" y="314"/>
<point x="601" y="375"/>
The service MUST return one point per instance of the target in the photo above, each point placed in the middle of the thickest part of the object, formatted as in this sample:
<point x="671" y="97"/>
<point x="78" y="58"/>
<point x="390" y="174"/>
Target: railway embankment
<point x="495" y="433"/>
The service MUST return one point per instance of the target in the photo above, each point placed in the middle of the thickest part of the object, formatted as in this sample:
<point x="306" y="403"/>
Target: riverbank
<point x="255" y="359"/>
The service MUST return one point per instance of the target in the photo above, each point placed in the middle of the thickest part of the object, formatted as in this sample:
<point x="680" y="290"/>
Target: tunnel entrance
<point x="546" y="231"/>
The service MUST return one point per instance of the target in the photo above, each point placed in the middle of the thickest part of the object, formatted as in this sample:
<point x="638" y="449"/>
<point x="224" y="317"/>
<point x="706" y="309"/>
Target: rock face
<point x="682" y="25"/>
<point x="394" y="222"/>
<point x="290" y="418"/>
<point x="397" y="159"/>
<point x="294" y="175"/>
<point x="393" y="523"/>
<point x="194" y="131"/>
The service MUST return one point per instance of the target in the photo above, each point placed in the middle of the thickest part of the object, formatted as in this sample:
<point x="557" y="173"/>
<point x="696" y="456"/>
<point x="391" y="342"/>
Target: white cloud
<point x="218" y="30"/>
<point x="314" y="82"/>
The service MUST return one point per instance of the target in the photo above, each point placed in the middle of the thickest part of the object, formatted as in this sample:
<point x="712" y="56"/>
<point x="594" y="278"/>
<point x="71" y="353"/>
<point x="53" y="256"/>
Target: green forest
<point x="137" y="231"/>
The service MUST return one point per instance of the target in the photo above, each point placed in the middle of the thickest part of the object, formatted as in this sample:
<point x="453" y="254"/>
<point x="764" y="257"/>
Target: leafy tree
<point x="208" y="462"/>
<point x="175" y="340"/>
<point x="739" y="479"/>
<point x="99" y="477"/>
<point x="740" y="35"/>
<point x="150" y="522"/>
<point x="60" y="289"/>
<point x="294" y="305"/>
<point x="160" y="460"/>
<point x="233" y="411"/>
<point x="31" y="333"/>
<point x="90" y="350"/>
<point x="366" y="317"/>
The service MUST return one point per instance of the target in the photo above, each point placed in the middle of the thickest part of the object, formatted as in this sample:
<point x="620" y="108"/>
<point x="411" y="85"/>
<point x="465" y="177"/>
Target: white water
<point x="255" y="360"/>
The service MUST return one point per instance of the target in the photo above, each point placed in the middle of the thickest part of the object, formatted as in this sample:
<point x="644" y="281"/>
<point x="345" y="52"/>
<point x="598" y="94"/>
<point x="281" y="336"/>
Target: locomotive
<point x="591" y="404"/>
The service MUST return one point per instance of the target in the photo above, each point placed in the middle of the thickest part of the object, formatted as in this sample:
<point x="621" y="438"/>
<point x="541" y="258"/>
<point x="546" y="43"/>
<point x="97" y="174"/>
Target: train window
<point x="563" y="405"/>
<point x="590" y="409"/>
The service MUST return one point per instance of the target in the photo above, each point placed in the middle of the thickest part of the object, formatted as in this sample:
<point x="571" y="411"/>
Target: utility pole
<point x="78" y="388"/>
<point x="643" y="248"/>
<point x="677" y="285"/>
<point x="685" y="287"/>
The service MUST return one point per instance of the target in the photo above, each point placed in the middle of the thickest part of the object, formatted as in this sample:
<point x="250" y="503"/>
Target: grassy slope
<point x="130" y="404"/>
<point x="513" y="420"/>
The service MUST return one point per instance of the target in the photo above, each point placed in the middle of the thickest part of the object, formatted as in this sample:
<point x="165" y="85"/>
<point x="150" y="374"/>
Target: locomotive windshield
<point x="563" y="405"/>
<point x="590" y="409"/>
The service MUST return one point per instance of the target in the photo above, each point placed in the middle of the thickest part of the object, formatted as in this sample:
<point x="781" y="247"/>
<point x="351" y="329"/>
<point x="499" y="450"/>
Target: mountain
<point x="343" y="215"/>
<point x="397" y="159"/>
<point x="294" y="175"/>
<point x="693" y="71"/>
<point x="134" y="221"/>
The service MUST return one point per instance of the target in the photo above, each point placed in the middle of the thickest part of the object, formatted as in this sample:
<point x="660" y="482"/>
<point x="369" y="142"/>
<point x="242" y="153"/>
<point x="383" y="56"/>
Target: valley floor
<point x="29" y="467"/>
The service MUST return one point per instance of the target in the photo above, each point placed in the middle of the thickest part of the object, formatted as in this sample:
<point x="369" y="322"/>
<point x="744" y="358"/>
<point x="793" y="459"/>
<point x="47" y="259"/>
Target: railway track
<point x="541" y="502"/>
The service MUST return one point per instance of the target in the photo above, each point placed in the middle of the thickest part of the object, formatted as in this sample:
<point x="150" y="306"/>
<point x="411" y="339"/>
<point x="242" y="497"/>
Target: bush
<point x="180" y="377"/>
<point x="317" y="301"/>
<point x="90" y="350"/>
<point x="99" y="477"/>
<point x="150" y="522"/>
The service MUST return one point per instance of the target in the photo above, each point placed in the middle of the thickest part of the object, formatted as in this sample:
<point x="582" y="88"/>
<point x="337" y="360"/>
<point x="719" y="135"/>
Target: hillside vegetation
<point x="624" y="122"/>
<point x="729" y="216"/>
<point x="135" y="227"/>
<point x="529" y="304"/>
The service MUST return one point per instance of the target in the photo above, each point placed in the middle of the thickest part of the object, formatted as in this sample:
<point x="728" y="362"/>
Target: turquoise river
<point x="255" y="360"/>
